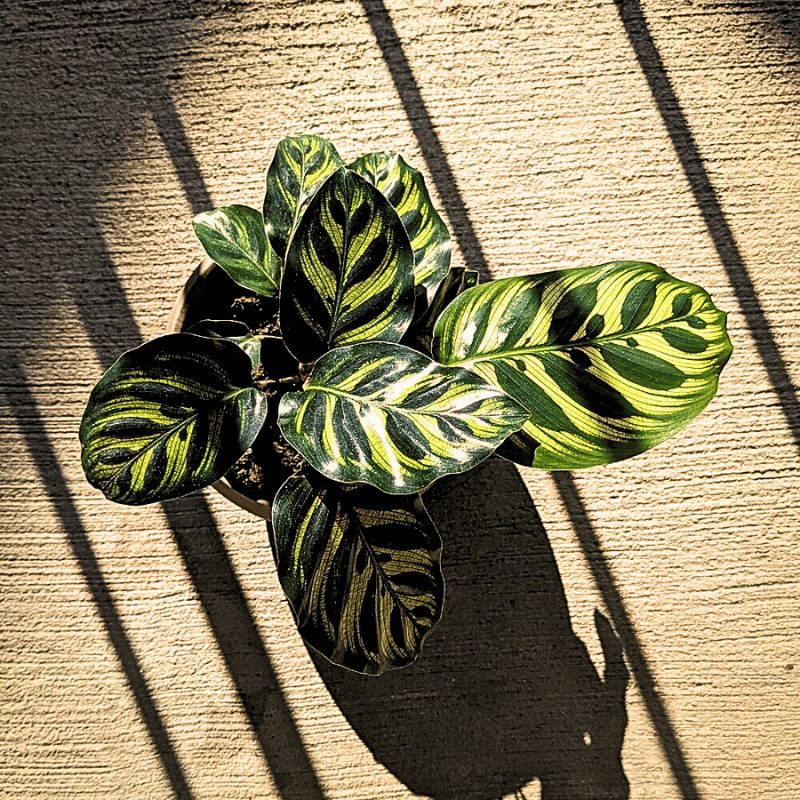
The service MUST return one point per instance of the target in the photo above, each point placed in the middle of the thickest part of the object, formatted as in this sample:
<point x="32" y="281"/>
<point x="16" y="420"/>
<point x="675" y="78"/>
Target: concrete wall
<point x="148" y="653"/>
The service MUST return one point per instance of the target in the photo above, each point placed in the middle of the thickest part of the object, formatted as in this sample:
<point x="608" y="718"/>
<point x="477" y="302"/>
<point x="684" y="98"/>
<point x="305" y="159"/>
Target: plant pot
<point x="180" y="318"/>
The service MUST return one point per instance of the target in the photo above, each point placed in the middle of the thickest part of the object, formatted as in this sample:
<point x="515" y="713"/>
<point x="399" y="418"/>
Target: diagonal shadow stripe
<point x="464" y="232"/>
<point x="571" y="497"/>
<point x="190" y="519"/>
<point x="173" y="137"/>
<point x="209" y="565"/>
<point x="705" y="196"/>
<point x="30" y="423"/>
<point x="422" y="125"/>
<point x="221" y="596"/>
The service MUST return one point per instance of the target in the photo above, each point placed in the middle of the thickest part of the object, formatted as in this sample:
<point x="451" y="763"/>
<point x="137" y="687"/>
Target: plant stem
<point x="277" y="381"/>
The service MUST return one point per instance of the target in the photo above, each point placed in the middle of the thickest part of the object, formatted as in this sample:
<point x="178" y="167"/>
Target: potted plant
<point x="348" y="366"/>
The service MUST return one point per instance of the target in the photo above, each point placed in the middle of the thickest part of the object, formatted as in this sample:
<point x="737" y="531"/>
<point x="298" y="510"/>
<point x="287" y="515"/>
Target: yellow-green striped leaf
<point x="349" y="272"/>
<point x="300" y="166"/>
<point x="387" y="415"/>
<point x="361" y="571"/>
<point x="170" y="417"/>
<point x="234" y="237"/>
<point x="608" y="360"/>
<point x="404" y="187"/>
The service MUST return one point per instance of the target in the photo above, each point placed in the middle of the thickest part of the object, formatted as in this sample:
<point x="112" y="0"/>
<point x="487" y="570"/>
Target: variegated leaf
<point x="170" y="417"/>
<point x="361" y="571"/>
<point x="349" y="271"/>
<point x="234" y="237"/>
<point x="387" y="415"/>
<point x="300" y="166"/>
<point x="609" y="360"/>
<point x="404" y="187"/>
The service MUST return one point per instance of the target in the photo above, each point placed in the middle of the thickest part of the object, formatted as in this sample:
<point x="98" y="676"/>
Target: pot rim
<point x="189" y="291"/>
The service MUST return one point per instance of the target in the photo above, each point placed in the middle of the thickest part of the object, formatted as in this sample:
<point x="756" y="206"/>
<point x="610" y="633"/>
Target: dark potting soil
<point x="261" y="471"/>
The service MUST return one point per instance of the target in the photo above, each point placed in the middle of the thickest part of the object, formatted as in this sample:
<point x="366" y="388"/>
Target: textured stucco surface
<point x="147" y="653"/>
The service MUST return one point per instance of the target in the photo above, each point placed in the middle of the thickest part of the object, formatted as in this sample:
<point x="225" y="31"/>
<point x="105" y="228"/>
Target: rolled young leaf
<point x="349" y="272"/>
<point x="360" y="569"/>
<point x="387" y="415"/>
<point x="234" y="237"/>
<point x="420" y="334"/>
<point x="404" y="187"/>
<point x="232" y="331"/>
<point x="170" y="417"/>
<point x="609" y="360"/>
<point x="300" y="166"/>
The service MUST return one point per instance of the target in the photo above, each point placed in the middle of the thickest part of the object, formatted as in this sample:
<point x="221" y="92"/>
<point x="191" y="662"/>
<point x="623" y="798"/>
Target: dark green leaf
<point x="300" y="166"/>
<point x="170" y="417"/>
<point x="609" y="360"/>
<point x="236" y="332"/>
<point x="387" y="415"/>
<point x="360" y="569"/>
<point x="234" y="237"/>
<point x="405" y="189"/>
<point x="349" y="271"/>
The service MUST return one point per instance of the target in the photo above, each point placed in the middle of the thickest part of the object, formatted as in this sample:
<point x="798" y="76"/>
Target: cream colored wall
<point x="148" y="653"/>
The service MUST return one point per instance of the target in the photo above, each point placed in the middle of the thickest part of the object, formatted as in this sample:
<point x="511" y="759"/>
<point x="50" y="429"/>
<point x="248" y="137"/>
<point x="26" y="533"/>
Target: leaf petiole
<point x="265" y="384"/>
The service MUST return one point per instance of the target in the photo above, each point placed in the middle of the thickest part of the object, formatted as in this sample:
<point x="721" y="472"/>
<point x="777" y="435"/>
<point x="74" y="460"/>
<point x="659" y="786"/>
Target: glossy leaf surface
<point x="234" y="237"/>
<point x="300" y="166"/>
<point x="349" y="273"/>
<point x="170" y="417"/>
<point x="609" y="360"/>
<point x="404" y="187"/>
<point x="387" y="415"/>
<point x="361" y="571"/>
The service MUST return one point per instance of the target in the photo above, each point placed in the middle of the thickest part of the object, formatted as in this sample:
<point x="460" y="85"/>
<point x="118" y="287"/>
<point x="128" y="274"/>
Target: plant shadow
<point x="504" y="691"/>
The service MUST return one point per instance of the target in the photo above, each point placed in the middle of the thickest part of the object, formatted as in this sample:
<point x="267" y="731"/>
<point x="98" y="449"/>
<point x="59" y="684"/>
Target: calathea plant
<point x="401" y="370"/>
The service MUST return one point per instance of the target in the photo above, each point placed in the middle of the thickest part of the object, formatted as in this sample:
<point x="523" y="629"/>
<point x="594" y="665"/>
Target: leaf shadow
<point x="504" y="691"/>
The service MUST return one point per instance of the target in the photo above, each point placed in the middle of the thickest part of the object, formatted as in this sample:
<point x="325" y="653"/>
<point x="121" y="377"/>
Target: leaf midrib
<point x="368" y="401"/>
<point x="302" y="195"/>
<point x="335" y="317"/>
<point x="379" y="569"/>
<point x="171" y="431"/>
<point x="550" y="348"/>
